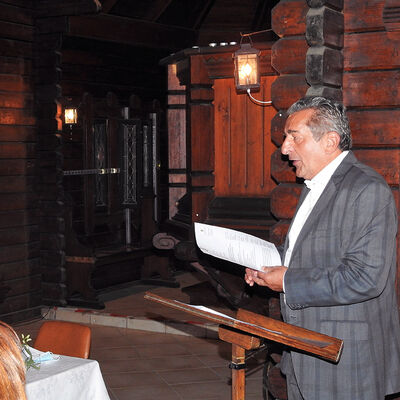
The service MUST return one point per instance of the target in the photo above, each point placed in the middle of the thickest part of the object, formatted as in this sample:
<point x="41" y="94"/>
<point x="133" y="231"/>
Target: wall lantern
<point x="71" y="116"/>
<point x="247" y="67"/>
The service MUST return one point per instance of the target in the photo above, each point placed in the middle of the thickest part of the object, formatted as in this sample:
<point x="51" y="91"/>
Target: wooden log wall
<point x="345" y="50"/>
<point x="20" y="279"/>
<point x="370" y="86"/>
<point x="99" y="67"/>
<point x="289" y="59"/>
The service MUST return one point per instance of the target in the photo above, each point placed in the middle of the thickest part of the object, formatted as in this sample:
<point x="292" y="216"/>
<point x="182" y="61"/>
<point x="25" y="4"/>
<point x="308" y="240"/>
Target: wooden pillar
<point x="289" y="60"/>
<point x="49" y="186"/>
<point x="238" y="372"/>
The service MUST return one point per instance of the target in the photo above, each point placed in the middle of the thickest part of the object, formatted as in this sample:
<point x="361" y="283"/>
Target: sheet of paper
<point x="237" y="247"/>
<point x="211" y="311"/>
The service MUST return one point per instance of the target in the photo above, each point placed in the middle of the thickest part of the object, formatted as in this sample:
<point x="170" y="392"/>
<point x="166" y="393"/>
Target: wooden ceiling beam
<point x="157" y="9"/>
<point x="130" y="31"/>
<point x="107" y="5"/>
<point x="51" y="8"/>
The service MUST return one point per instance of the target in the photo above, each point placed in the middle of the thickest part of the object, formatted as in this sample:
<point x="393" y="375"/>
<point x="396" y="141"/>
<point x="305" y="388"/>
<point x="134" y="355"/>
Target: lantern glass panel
<point x="71" y="116"/>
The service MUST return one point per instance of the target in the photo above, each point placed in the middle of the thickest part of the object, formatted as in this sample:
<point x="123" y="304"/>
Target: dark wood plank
<point x="12" y="48"/>
<point x="130" y="31"/>
<point x="17" y="150"/>
<point x="324" y="66"/>
<point x="281" y="170"/>
<point x="17" y="218"/>
<point x="284" y="199"/>
<point x="16" y="31"/>
<point x="20" y="269"/>
<point x="361" y="15"/>
<point x="15" y="133"/>
<point x="16" y="184"/>
<point x="371" y="89"/>
<point x="289" y="55"/>
<point x="384" y="161"/>
<point x="374" y="127"/>
<point x="278" y="232"/>
<point x="15" y="14"/>
<point x="325" y="27"/>
<point x="287" y="89"/>
<point x="338" y="4"/>
<point x="48" y="8"/>
<point x="16" y="100"/>
<point x="289" y="17"/>
<point x="371" y="50"/>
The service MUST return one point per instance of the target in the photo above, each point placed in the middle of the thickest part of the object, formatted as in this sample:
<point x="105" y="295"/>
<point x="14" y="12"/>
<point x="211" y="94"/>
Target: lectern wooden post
<point x="240" y="343"/>
<point x="244" y="333"/>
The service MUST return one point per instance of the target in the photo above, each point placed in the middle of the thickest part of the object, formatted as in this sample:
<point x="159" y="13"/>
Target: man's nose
<point x="285" y="148"/>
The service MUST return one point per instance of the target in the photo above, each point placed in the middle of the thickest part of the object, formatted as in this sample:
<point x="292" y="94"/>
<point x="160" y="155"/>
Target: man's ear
<point x="332" y="140"/>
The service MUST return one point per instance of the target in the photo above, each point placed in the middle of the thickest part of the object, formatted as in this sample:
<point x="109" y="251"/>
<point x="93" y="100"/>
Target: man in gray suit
<point x="339" y="262"/>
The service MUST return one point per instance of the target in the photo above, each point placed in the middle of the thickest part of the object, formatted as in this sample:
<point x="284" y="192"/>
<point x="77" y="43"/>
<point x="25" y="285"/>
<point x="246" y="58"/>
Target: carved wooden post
<point x="50" y="161"/>
<point x="51" y="24"/>
<point x="324" y="61"/>
<point x="288" y="58"/>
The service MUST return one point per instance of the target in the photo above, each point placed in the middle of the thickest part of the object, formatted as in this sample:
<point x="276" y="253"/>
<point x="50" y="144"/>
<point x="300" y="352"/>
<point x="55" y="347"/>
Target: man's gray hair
<point x="328" y="116"/>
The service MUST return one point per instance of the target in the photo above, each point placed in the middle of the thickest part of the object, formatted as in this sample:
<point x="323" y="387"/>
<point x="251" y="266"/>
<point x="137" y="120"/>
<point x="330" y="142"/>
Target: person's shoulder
<point x="362" y="177"/>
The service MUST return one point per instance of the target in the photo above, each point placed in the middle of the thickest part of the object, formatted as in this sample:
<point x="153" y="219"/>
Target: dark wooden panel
<point x="16" y="100"/>
<point x="361" y="15"/>
<point x="15" y="83"/>
<point x="289" y="17"/>
<point x="24" y="285"/>
<point x="202" y="153"/>
<point x="281" y="171"/>
<point x="16" y="184"/>
<point x="17" y="150"/>
<point x="375" y="127"/>
<point x="284" y="199"/>
<point x="338" y="4"/>
<point x="19" y="252"/>
<point x="23" y="302"/>
<point x="135" y="32"/>
<point x="17" y="218"/>
<point x="384" y="161"/>
<point x="18" y="201"/>
<point x="200" y="202"/>
<point x="20" y="235"/>
<point x="289" y="55"/>
<point x="287" y="89"/>
<point x="16" y="117"/>
<point x="15" y="31"/>
<point x="19" y="269"/>
<point x="324" y="66"/>
<point x="242" y="141"/>
<point x="278" y="127"/>
<point x="325" y="27"/>
<point x="278" y="232"/>
<point x="12" y="48"/>
<point x="371" y="50"/>
<point x="15" y="15"/>
<point x="17" y="167"/>
<point x="21" y="66"/>
<point x="13" y="133"/>
<point x="371" y="89"/>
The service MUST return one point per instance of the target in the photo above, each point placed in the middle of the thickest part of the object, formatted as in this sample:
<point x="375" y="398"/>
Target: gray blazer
<point x="341" y="282"/>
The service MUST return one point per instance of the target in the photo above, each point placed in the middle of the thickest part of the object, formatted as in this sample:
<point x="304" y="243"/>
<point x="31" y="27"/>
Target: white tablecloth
<point x="67" y="378"/>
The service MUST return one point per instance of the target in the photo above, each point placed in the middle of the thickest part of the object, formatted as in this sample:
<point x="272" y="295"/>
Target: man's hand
<point x="270" y="276"/>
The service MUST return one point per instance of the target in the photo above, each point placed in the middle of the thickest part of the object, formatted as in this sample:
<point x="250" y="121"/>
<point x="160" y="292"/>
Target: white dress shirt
<point x="316" y="186"/>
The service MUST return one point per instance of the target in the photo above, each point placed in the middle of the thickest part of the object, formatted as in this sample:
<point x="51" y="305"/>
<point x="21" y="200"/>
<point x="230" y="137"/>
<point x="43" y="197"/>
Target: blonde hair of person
<point x="12" y="365"/>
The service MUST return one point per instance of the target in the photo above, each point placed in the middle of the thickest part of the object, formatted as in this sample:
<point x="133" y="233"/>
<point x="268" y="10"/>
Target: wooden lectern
<point x="244" y="333"/>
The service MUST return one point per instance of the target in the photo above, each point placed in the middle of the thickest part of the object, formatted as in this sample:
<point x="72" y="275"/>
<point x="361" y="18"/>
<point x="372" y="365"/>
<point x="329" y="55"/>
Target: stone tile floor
<point x="148" y="363"/>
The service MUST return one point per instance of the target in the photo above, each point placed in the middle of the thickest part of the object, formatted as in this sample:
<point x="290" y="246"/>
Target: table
<point x="67" y="378"/>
